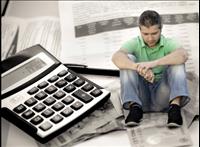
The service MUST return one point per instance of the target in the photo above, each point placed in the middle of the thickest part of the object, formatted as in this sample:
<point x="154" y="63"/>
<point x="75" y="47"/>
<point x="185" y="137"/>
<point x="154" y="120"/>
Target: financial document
<point x="93" y="31"/>
<point x="40" y="30"/>
<point x="9" y="32"/>
<point x="20" y="33"/>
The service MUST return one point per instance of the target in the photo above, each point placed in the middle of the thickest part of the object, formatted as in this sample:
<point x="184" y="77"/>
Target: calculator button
<point x="53" y="79"/>
<point x="49" y="101"/>
<point x="77" y="105"/>
<point x="68" y="100"/>
<point x="58" y="106"/>
<point x="60" y="94"/>
<point x="43" y="84"/>
<point x="30" y="102"/>
<point x="33" y="90"/>
<point x="51" y="89"/>
<point x="67" y="112"/>
<point x="56" y="119"/>
<point x="39" y="107"/>
<point x="41" y="95"/>
<point x="70" y="78"/>
<point x="37" y="120"/>
<point x="61" y="83"/>
<point x="96" y="92"/>
<point x="48" y="112"/>
<point x="69" y="88"/>
<point x="62" y="73"/>
<point x="46" y="126"/>
<point x="28" y="114"/>
<point x="87" y="87"/>
<point x="79" y="82"/>
<point x="19" y="109"/>
<point x="84" y="97"/>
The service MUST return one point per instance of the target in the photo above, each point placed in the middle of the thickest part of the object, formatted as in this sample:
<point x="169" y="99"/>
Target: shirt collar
<point x="161" y="42"/>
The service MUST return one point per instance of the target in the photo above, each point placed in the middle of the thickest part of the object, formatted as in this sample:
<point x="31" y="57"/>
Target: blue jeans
<point x="154" y="96"/>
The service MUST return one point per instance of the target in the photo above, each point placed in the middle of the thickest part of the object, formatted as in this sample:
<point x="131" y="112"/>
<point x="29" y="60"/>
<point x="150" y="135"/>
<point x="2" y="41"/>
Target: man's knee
<point x="177" y="69"/>
<point x="132" y="57"/>
<point x="125" y="71"/>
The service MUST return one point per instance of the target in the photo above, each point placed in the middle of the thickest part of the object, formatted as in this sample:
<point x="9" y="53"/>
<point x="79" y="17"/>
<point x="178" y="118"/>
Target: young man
<point x="152" y="73"/>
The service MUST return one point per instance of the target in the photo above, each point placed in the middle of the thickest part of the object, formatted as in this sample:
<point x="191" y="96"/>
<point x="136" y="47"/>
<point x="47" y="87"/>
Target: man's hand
<point x="148" y="75"/>
<point x="144" y="69"/>
<point x="146" y="66"/>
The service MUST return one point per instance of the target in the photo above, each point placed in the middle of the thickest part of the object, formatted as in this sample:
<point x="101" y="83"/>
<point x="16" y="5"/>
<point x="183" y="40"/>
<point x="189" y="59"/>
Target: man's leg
<point x="134" y="89"/>
<point x="171" y="89"/>
<point x="160" y="93"/>
<point x="179" y="96"/>
<point x="172" y="92"/>
<point x="134" y="94"/>
<point x="178" y="85"/>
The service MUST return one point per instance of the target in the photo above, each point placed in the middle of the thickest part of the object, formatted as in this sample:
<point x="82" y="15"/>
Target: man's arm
<point x="121" y="60"/>
<point x="179" y="56"/>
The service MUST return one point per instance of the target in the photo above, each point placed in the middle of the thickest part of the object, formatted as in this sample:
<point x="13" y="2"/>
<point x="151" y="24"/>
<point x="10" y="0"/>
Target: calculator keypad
<point x="48" y="112"/>
<point x="33" y="90"/>
<point x="43" y="84"/>
<point x="19" y="109"/>
<point x="37" y="120"/>
<point x="46" y="126"/>
<point x="30" y="102"/>
<point x="54" y="99"/>
<point x="28" y="114"/>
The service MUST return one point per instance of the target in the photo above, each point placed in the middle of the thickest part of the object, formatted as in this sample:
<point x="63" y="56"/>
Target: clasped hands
<point x="145" y="70"/>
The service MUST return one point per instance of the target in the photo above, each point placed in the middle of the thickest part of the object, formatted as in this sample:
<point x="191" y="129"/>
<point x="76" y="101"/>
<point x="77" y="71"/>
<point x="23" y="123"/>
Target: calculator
<point x="43" y="97"/>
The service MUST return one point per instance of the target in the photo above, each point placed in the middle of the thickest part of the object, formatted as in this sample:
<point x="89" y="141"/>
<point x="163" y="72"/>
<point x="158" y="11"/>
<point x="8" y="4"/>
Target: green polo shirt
<point x="142" y="52"/>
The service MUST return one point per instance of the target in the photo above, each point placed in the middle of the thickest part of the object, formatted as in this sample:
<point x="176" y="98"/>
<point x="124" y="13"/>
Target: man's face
<point x="150" y="35"/>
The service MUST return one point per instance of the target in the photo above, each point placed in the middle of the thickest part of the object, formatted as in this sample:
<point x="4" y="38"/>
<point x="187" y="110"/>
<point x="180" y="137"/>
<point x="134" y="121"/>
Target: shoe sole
<point x="173" y="125"/>
<point x="131" y="124"/>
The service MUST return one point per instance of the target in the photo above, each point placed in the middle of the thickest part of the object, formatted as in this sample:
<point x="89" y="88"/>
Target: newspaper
<point x="9" y="33"/>
<point x="153" y="132"/>
<point x="20" y="33"/>
<point x="114" y="125"/>
<point x="192" y="108"/>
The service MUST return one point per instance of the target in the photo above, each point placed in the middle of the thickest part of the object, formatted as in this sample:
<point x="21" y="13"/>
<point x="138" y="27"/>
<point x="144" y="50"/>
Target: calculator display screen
<point x="22" y="72"/>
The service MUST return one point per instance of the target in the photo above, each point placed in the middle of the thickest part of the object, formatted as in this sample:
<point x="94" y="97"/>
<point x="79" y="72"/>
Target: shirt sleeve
<point x="130" y="46"/>
<point x="171" y="45"/>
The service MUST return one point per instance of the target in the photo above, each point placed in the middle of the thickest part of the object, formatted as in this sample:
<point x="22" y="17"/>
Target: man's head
<point x="150" y="25"/>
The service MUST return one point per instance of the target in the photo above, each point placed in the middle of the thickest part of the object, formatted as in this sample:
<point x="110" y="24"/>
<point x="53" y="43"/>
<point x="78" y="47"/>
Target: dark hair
<point x="149" y="18"/>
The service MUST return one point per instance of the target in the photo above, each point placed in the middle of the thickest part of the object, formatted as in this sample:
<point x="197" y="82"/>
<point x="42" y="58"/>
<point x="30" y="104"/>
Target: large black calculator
<point x="43" y="97"/>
